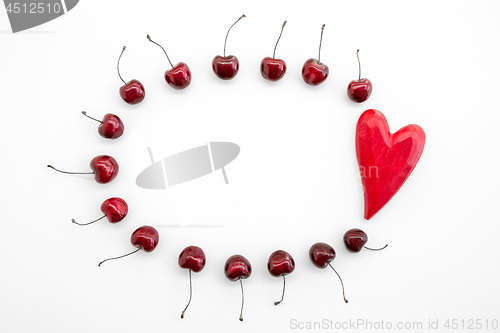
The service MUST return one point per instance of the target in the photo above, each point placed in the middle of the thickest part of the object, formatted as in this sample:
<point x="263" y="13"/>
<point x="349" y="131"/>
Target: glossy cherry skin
<point x="178" y="77"/>
<point x="115" y="209"/>
<point x="225" y="68"/>
<point x="321" y="254"/>
<point x="105" y="168"/>
<point x="193" y="258"/>
<point x="314" y="72"/>
<point x="133" y="92"/>
<point x="359" y="90"/>
<point x="272" y="69"/>
<point x="237" y="267"/>
<point x="355" y="239"/>
<point x="280" y="263"/>
<point x="111" y="127"/>
<point x="145" y="237"/>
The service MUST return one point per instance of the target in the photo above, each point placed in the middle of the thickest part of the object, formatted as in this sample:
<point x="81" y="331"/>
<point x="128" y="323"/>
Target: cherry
<point x="321" y="255"/>
<point x="238" y="267"/>
<point x="280" y="263"/>
<point x="111" y="126"/>
<point x="273" y="69"/>
<point x="192" y="258"/>
<point x="132" y="92"/>
<point x="314" y="72"/>
<point x="104" y="168"/>
<point x="355" y="240"/>
<point x="143" y="238"/>
<point x="179" y="76"/>
<point x="115" y="209"/>
<point x="360" y="90"/>
<point x="224" y="67"/>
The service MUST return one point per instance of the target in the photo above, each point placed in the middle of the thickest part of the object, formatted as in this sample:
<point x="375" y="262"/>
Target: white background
<point x="295" y="182"/>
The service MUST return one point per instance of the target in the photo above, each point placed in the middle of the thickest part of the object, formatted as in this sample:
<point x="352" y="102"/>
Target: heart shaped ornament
<point x="385" y="160"/>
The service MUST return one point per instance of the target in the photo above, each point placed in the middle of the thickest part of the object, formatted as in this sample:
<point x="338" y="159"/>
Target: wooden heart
<point x="385" y="160"/>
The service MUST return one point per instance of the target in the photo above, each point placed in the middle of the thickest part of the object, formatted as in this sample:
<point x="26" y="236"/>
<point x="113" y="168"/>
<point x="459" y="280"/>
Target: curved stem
<point x="283" y="295"/>
<point x="225" y="41"/>
<point x="343" y="293"/>
<point x="320" y="41"/>
<point x="162" y="49"/>
<point x="190" y="295"/>
<point x="368" y="248"/>
<point x="282" y="27"/>
<point x="118" y="65"/>
<point x="359" y="65"/>
<point x="85" y="114"/>
<point x="71" y="173"/>
<point x="242" y="300"/>
<point x="119" y="256"/>
<point x="73" y="220"/>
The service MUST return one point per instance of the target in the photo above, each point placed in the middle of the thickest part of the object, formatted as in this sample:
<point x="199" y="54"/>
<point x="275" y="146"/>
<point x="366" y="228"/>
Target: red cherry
<point x="133" y="91"/>
<point x="143" y="238"/>
<point x="115" y="209"/>
<point x="355" y="240"/>
<point x="111" y="126"/>
<point x="192" y="258"/>
<point x="104" y="167"/>
<point x="361" y="89"/>
<point x="224" y="67"/>
<point x="273" y="69"/>
<point x="314" y="72"/>
<point x="179" y="76"/>
<point x="238" y="267"/>
<point x="321" y="255"/>
<point x="280" y="263"/>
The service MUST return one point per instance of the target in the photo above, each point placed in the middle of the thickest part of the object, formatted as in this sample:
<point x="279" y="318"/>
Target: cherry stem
<point x="190" y="294"/>
<point x="343" y="293"/>
<point x="118" y="65"/>
<point x="368" y="248"/>
<point x="359" y="65"/>
<point x="71" y="173"/>
<point x="320" y="41"/>
<point x="85" y="114"/>
<point x="242" y="300"/>
<point x="162" y="49"/>
<point x="282" y="27"/>
<point x="225" y="41"/>
<point x="283" y="295"/>
<point x="119" y="256"/>
<point x="73" y="220"/>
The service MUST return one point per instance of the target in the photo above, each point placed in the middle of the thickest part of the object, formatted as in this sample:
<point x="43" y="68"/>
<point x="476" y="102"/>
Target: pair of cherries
<point x="104" y="167"/>
<point x="314" y="72"/>
<point x="177" y="77"/>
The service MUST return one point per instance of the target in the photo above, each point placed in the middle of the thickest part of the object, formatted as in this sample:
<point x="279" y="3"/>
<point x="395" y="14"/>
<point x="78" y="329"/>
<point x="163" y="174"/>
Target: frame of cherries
<point x="375" y="146"/>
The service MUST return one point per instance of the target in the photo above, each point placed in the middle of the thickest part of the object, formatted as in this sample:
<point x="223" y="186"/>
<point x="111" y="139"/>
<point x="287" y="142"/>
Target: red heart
<point x="385" y="160"/>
